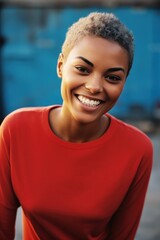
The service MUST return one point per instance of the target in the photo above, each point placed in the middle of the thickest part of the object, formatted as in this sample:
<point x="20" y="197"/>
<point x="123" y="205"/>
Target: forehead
<point x="97" y="49"/>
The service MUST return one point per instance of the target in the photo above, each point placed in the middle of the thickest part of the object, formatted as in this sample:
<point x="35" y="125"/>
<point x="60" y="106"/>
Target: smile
<point x="88" y="102"/>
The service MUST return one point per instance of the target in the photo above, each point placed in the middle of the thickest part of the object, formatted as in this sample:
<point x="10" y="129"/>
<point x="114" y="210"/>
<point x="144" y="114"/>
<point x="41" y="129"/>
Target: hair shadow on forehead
<point x="104" y="25"/>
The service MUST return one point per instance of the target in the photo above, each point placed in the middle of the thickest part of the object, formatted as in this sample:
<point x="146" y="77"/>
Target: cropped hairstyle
<point x="105" y="25"/>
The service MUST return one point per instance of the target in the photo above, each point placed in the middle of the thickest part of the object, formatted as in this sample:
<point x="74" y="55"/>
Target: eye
<point x="113" y="78"/>
<point x="82" y="69"/>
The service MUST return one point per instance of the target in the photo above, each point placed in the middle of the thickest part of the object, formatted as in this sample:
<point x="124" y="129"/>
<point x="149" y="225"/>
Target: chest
<point x="90" y="183"/>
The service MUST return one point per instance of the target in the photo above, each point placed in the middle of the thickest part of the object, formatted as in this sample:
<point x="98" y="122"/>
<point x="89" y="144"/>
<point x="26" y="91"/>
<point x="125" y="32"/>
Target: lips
<point x="88" y="102"/>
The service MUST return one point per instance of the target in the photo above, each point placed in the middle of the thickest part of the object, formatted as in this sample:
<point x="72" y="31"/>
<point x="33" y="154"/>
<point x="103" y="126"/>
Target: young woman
<point x="77" y="172"/>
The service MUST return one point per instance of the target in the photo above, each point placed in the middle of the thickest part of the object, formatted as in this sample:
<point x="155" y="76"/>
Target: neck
<point x="73" y="131"/>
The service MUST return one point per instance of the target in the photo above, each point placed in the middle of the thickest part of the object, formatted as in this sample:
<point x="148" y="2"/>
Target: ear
<point x="60" y="65"/>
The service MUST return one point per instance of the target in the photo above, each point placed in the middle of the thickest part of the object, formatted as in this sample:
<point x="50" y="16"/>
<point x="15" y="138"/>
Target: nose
<point x="94" y="85"/>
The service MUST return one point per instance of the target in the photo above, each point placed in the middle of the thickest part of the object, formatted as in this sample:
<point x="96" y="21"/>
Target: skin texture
<point x="95" y="69"/>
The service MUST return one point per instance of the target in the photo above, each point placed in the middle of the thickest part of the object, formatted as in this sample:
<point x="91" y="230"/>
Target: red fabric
<point x="71" y="191"/>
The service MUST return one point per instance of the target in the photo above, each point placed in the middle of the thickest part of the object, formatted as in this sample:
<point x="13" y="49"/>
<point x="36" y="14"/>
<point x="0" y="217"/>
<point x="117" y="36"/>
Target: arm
<point x="7" y="223"/>
<point x="125" y="221"/>
<point x="8" y="200"/>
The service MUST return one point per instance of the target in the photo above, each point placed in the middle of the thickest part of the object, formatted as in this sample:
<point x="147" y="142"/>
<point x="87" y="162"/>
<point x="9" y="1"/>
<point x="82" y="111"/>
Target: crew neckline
<point x="91" y="144"/>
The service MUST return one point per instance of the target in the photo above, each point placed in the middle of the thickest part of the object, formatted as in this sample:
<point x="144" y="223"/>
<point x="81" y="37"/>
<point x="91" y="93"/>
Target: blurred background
<point x="31" y="35"/>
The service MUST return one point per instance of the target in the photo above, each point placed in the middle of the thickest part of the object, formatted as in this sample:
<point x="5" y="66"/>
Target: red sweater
<point x="71" y="191"/>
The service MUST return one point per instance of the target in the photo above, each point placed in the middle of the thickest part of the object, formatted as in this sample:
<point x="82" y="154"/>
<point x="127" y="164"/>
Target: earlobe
<point x="60" y="65"/>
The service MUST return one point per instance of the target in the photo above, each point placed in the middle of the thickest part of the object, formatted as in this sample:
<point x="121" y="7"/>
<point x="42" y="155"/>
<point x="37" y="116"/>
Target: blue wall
<point x="33" y="42"/>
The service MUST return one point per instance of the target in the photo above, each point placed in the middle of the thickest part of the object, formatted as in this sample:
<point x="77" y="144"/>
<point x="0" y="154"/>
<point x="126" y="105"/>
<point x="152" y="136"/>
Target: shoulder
<point x="132" y="136"/>
<point x="20" y="114"/>
<point x="23" y="116"/>
<point x="134" y="143"/>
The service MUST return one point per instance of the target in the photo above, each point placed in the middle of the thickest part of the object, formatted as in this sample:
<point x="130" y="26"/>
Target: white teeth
<point x="88" y="102"/>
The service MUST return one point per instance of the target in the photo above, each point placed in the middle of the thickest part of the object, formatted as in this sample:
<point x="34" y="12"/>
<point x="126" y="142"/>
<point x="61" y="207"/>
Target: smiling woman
<point x="94" y="71"/>
<point x="84" y="173"/>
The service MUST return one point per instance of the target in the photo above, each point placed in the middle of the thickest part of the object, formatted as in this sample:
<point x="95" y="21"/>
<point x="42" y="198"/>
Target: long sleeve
<point x="125" y="221"/>
<point x="8" y="201"/>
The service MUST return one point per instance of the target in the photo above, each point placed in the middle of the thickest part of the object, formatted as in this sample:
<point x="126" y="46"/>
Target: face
<point x="93" y="76"/>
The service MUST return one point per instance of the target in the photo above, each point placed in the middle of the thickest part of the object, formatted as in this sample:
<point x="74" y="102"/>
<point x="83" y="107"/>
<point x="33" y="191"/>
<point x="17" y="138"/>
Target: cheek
<point x="63" y="89"/>
<point x="67" y="87"/>
<point x="114" y="92"/>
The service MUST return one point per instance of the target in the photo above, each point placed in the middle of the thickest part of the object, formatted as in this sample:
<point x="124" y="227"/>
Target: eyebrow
<point x="86" y="61"/>
<point x="115" y="69"/>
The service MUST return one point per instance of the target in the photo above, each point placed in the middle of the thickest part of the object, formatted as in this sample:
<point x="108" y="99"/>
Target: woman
<point x="77" y="172"/>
